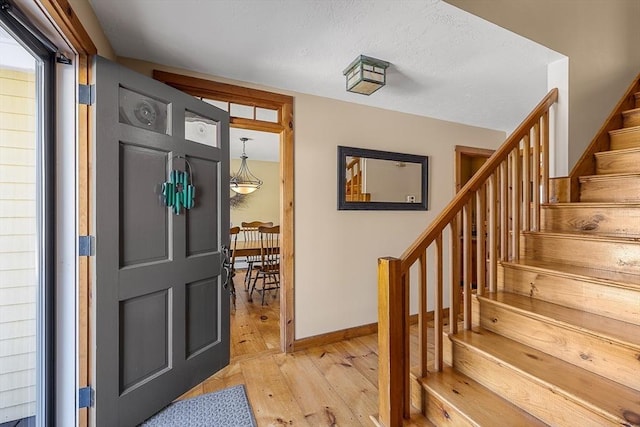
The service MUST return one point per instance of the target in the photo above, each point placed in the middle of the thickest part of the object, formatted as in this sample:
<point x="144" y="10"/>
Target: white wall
<point x="601" y="39"/>
<point x="264" y="203"/>
<point x="337" y="251"/>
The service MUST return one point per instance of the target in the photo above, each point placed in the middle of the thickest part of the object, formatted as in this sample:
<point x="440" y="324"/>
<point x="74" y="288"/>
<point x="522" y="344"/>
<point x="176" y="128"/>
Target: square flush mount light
<point x="366" y="75"/>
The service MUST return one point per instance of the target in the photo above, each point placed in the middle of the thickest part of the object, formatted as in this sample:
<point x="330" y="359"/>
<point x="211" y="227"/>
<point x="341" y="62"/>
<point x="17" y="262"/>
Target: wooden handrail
<point x="353" y="162"/>
<point x="506" y="194"/>
<point x="462" y="197"/>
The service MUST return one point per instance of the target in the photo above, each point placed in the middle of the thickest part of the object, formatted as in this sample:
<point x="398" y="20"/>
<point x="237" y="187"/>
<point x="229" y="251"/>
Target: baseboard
<point x="345" y="334"/>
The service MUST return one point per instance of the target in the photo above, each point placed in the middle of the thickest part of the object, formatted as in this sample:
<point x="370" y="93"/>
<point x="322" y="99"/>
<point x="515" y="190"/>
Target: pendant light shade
<point x="243" y="181"/>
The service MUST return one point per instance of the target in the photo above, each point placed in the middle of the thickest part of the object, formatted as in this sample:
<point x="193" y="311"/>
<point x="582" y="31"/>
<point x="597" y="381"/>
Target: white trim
<point x="558" y="77"/>
<point x="66" y="348"/>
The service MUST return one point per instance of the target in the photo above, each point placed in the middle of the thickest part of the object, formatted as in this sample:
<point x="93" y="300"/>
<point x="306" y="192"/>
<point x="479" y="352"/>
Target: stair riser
<point x="597" y="298"/>
<point x="618" y="189"/>
<point x="441" y="413"/>
<point x="617" y="162"/>
<point x="521" y="390"/>
<point x="637" y="96"/>
<point x="601" y="254"/>
<point x="631" y="118"/>
<point x="607" y="220"/>
<point x="609" y="359"/>
<point x="624" y="140"/>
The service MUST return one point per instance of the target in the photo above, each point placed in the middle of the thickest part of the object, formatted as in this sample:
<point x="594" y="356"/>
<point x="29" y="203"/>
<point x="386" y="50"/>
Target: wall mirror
<point x="381" y="180"/>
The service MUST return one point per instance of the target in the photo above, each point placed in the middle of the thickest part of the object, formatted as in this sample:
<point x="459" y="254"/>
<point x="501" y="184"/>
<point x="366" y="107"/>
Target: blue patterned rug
<point x="225" y="408"/>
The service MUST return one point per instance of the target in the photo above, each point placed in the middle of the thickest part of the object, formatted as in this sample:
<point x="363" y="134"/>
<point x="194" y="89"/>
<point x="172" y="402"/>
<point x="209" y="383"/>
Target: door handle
<point x="225" y="266"/>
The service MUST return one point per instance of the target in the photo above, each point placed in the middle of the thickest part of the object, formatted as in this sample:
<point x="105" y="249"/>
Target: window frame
<point x="40" y="47"/>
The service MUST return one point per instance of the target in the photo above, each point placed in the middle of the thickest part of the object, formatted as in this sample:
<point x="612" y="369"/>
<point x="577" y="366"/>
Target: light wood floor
<point x="331" y="385"/>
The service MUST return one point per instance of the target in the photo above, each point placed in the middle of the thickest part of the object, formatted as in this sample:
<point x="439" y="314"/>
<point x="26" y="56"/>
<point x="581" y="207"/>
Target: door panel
<point x="143" y="238"/>
<point x="202" y="233"/>
<point x="161" y="305"/>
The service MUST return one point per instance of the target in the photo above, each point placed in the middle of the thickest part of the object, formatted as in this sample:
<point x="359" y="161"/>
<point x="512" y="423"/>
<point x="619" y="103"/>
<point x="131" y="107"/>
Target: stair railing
<point x="354" y="180"/>
<point x="506" y="194"/>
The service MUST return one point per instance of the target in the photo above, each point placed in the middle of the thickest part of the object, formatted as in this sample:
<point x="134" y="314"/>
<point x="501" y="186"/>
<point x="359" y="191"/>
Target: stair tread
<point x="605" y="327"/>
<point x="613" y="278"/>
<point x="620" y="152"/>
<point x="631" y="129"/>
<point x="476" y="401"/>
<point x="621" y="237"/>
<point x="631" y="111"/>
<point x="591" y="205"/>
<point x="591" y="390"/>
<point x="609" y="176"/>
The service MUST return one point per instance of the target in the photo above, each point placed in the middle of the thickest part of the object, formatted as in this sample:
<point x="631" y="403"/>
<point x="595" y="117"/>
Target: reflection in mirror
<point x="381" y="180"/>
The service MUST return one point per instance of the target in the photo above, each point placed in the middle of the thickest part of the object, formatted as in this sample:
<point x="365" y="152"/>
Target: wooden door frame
<point x="462" y="151"/>
<point x="284" y="127"/>
<point x="71" y="28"/>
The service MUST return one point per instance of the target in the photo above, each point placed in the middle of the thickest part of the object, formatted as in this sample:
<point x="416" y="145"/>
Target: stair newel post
<point x="437" y="310"/>
<point x="393" y="338"/>
<point x="466" y="249"/>
<point x="481" y="253"/>
<point x="454" y="286"/>
<point x="492" y="233"/>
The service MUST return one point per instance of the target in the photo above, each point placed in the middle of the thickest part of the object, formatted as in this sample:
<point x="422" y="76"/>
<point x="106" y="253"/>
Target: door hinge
<point x="85" y="397"/>
<point x="86" y="246"/>
<point x="86" y="94"/>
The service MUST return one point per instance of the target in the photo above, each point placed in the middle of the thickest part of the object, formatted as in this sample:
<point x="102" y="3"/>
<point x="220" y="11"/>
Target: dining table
<point x="246" y="248"/>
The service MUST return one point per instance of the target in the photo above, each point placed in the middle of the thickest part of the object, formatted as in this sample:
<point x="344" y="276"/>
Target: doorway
<point x="259" y="110"/>
<point x="254" y="324"/>
<point x="468" y="160"/>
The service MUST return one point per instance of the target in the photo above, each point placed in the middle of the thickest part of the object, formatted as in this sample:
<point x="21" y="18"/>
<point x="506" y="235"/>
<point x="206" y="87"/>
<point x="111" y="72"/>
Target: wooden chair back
<point x="270" y="249"/>
<point x="233" y="241"/>
<point x="250" y="233"/>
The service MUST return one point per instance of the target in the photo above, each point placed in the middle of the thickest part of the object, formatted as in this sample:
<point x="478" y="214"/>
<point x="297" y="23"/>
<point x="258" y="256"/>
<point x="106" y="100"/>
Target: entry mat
<point x="225" y="408"/>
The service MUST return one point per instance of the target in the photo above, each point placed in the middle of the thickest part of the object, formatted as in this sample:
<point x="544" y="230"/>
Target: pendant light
<point x="243" y="181"/>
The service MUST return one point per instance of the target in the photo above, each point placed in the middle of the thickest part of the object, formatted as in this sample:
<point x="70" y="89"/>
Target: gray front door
<point x="161" y="308"/>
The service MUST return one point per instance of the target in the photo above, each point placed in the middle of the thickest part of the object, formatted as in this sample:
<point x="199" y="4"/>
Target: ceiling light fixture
<point x="366" y="75"/>
<point x="243" y="181"/>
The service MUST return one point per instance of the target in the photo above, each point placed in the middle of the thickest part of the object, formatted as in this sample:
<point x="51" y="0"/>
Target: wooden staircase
<point x="552" y="334"/>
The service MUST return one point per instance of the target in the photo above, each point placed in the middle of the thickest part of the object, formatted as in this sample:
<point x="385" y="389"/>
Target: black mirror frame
<point x="344" y="152"/>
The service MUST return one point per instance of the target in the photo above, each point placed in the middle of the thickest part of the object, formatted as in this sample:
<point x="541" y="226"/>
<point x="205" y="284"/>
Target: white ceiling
<point x="445" y="63"/>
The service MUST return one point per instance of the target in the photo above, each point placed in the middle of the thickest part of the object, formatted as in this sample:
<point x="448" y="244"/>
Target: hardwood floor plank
<point x="319" y="401"/>
<point x="271" y="398"/>
<point x="228" y="377"/>
<point x="353" y="387"/>
<point x="364" y="359"/>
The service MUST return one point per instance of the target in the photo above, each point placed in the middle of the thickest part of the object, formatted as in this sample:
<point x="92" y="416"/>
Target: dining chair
<point x="250" y="233"/>
<point x="269" y="267"/>
<point x="233" y="240"/>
